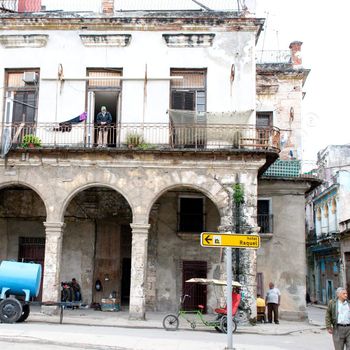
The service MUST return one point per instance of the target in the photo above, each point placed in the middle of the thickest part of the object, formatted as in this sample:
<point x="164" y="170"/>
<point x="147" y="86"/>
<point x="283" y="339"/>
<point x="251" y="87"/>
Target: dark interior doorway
<point x="197" y="292"/>
<point x="125" y="288"/>
<point x="109" y="99"/>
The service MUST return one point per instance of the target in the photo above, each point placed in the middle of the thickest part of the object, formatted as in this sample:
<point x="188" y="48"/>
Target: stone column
<point x="137" y="307"/>
<point x="52" y="266"/>
<point x="248" y="257"/>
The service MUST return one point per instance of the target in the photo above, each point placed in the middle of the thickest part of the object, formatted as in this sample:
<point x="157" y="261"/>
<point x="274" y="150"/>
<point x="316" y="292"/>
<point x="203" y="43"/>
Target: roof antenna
<point x="201" y="5"/>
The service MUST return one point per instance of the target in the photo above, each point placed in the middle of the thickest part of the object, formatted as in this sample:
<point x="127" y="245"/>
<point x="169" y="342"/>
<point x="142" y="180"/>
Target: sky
<point x="323" y="28"/>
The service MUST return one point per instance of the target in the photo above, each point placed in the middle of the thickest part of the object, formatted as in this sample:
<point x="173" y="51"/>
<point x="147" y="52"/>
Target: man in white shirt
<point x="338" y="320"/>
<point x="273" y="300"/>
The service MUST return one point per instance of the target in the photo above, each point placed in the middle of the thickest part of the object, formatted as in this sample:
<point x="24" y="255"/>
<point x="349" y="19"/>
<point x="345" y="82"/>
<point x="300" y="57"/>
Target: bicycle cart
<point x="196" y="317"/>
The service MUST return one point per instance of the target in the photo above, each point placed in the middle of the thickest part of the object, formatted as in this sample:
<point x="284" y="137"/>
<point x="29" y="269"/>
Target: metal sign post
<point x="229" y="297"/>
<point x="229" y="240"/>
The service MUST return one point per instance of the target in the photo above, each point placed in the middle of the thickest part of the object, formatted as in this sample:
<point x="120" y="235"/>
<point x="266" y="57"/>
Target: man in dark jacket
<point x="338" y="320"/>
<point x="103" y="119"/>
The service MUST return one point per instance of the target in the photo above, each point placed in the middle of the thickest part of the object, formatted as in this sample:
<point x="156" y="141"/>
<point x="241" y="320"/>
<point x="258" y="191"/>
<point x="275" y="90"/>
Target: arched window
<point x="325" y="211"/>
<point x="334" y="206"/>
<point x="318" y="214"/>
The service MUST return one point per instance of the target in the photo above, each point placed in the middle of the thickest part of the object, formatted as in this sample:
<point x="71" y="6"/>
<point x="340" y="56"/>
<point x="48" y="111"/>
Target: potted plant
<point x="31" y="141"/>
<point x="134" y="139"/>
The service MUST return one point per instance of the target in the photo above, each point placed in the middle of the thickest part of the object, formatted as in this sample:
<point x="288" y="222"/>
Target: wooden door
<point x="107" y="260"/>
<point x="32" y="249"/>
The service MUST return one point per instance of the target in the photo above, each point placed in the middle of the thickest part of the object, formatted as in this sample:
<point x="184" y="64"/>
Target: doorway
<point x="109" y="99"/>
<point x="197" y="292"/>
<point x="32" y="249"/>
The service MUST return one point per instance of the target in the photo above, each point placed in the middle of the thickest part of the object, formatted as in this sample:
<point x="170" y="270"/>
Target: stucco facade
<point x="113" y="213"/>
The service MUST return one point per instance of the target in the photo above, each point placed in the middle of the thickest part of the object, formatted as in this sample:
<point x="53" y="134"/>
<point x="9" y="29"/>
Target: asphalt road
<point x="49" y="336"/>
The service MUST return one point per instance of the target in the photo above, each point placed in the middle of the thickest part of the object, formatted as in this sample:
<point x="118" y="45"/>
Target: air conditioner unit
<point x="30" y="77"/>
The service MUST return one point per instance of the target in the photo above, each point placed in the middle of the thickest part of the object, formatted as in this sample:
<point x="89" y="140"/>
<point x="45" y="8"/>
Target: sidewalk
<point x="154" y="321"/>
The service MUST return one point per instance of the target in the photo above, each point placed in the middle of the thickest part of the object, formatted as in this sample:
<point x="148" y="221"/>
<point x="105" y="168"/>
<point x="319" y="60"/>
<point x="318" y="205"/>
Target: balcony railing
<point x="142" y="136"/>
<point x="95" y="5"/>
<point x="21" y="6"/>
<point x="265" y="222"/>
<point x="273" y="56"/>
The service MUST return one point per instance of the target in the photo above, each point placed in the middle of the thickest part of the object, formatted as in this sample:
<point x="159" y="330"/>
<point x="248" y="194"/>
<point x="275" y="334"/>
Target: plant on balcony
<point x="31" y="141"/>
<point x="134" y="139"/>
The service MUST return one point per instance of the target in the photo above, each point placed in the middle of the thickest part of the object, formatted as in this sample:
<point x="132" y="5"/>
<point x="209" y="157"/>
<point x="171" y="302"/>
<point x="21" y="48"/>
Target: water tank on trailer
<point x="18" y="278"/>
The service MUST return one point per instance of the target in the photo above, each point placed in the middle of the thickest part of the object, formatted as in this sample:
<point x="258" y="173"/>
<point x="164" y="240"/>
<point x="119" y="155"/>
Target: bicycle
<point x="171" y="322"/>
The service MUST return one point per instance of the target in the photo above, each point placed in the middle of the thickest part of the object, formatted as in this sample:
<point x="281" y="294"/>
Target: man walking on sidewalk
<point x="338" y="320"/>
<point x="273" y="300"/>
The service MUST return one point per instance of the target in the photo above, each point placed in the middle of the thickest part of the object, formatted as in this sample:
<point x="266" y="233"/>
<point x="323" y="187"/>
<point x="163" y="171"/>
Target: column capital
<point x="52" y="227"/>
<point x="140" y="228"/>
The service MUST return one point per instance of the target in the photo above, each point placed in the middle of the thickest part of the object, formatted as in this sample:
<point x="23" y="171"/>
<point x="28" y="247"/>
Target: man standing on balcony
<point x="103" y="119"/>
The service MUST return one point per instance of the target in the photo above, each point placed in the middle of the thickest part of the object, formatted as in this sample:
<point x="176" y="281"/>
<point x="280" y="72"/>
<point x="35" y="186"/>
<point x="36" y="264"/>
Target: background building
<point x="327" y="211"/>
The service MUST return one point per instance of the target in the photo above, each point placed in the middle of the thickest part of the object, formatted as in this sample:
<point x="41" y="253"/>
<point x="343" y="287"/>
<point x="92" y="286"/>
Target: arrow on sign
<point x="208" y="239"/>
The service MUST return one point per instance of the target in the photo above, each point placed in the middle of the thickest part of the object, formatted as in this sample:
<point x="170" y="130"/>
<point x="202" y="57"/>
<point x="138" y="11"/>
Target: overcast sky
<point x="323" y="28"/>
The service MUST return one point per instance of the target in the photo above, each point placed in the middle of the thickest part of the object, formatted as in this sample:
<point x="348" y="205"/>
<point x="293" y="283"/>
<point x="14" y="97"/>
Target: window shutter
<point x="189" y="101"/>
<point x="184" y="100"/>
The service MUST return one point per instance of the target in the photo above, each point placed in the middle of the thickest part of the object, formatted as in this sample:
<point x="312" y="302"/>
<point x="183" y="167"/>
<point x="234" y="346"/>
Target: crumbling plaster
<point x="288" y="274"/>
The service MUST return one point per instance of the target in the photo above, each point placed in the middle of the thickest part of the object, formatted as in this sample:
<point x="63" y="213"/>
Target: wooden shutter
<point x="184" y="100"/>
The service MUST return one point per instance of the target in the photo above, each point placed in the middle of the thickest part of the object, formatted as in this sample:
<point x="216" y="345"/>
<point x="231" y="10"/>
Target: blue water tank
<point x="18" y="276"/>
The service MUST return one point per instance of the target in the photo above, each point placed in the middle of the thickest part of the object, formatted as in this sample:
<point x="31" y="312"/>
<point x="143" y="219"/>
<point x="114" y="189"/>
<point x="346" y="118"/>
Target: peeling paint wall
<point x="172" y="249"/>
<point x="282" y="95"/>
<point x="282" y="258"/>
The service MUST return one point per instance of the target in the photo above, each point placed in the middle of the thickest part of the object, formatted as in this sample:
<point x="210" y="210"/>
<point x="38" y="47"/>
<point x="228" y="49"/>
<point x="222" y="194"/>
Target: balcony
<point x="273" y="56"/>
<point x="96" y="5"/>
<point x="27" y="6"/>
<point x="141" y="136"/>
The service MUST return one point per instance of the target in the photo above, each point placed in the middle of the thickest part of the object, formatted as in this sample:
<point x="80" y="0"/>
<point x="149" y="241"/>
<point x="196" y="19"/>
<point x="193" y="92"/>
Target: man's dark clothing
<point x="272" y="309"/>
<point x="104" y="118"/>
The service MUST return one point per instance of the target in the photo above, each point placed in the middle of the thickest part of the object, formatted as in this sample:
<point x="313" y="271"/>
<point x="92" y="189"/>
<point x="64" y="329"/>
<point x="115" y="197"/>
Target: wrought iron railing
<point x="273" y="56"/>
<point x="265" y="222"/>
<point x="139" y="136"/>
<point x="96" y="5"/>
<point x="27" y="6"/>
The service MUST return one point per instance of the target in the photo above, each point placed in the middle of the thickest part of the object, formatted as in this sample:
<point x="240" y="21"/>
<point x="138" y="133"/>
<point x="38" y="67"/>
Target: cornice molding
<point x="14" y="41"/>
<point x="116" y="40"/>
<point x="189" y="40"/>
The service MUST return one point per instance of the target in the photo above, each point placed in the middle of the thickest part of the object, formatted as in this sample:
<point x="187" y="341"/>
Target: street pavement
<point x="88" y="329"/>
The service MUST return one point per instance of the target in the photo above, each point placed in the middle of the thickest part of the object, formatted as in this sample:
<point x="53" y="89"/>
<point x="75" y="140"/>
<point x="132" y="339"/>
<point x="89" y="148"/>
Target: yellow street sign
<point x="233" y="240"/>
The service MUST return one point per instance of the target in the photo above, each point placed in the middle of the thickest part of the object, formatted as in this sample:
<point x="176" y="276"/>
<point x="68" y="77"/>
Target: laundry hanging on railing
<point x="67" y="125"/>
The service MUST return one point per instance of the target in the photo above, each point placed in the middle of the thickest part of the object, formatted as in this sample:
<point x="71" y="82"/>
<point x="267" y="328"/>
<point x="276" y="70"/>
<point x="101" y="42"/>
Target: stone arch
<point x="42" y="197"/>
<point x="220" y="205"/>
<point x="79" y="189"/>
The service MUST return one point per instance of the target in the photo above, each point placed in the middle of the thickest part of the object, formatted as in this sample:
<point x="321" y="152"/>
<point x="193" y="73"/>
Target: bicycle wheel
<point x="223" y="325"/>
<point x="170" y="322"/>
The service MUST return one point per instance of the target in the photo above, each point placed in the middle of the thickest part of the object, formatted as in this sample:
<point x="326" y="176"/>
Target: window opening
<point x="191" y="217"/>
<point x="264" y="216"/>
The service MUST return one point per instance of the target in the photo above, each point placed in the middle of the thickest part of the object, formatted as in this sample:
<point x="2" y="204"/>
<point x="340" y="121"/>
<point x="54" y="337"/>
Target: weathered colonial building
<point x="122" y="204"/>
<point x="327" y="218"/>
